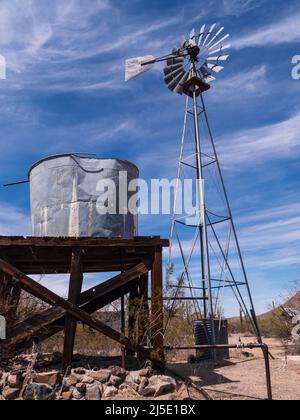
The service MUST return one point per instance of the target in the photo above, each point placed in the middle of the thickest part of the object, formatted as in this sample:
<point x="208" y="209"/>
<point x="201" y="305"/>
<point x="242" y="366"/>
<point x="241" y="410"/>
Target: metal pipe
<point x="266" y="353"/>
<point x="168" y="299"/>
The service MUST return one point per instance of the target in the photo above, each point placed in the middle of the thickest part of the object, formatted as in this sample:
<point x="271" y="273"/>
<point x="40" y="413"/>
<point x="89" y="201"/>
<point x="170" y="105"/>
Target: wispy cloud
<point x="284" y="31"/>
<point x="250" y="82"/>
<point x="72" y="46"/>
<point x="270" y="142"/>
<point x="239" y="7"/>
<point x="13" y="221"/>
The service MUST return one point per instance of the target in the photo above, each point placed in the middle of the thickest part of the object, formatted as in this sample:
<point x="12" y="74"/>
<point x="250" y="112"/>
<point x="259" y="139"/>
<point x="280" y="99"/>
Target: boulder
<point x="118" y="371"/>
<point x="15" y="381"/>
<point x="11" y="393"/>
<point x="81" y="387"/>
<point x="145" y="372"/>
<point x="67" y="396"/>
<point x="144" y="383"/>
<point x="161" y="384"/>
<point x="87" y="380"/>
<point x="133" y="377"/>
<point x="93" y="393"/>
<point x="115" y="381"/>
<point x="38" y="392"/>
<point x="72" y="380"/>
<point x="110" y="391"/>
<point x="48" y="378"/>
<point x="148" y="392"/>
<point x="76" y="394"/>
<point x="102" y="375"/>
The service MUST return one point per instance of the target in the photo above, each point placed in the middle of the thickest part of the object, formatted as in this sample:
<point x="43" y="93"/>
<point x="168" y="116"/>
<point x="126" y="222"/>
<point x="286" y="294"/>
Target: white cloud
<point x="52" y="46"/>
<point x="270" y="142"/>
<point x="13" y="221"/>
<point x="249" y="82"/>
<point x="239" y="7"/>
<point x="286" y="30"/>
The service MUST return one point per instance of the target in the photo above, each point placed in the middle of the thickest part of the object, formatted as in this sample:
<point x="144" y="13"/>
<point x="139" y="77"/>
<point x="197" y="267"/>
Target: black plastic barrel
<point x="204" y="336"/>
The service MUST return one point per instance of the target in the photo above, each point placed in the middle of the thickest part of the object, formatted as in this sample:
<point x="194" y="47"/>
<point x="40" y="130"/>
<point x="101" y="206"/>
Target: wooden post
<point x="10" y="294"/>
<point x="144" y="318"/>
<point x="157" y="317"/>
<point x="76" y="280"/>
<point x="132" y="317"/>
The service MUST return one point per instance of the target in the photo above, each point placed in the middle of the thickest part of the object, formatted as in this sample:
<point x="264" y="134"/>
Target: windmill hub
<point x="193" y="52"/>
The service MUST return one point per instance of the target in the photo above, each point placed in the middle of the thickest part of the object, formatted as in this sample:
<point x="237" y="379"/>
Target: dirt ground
<point x="244" y="377"/>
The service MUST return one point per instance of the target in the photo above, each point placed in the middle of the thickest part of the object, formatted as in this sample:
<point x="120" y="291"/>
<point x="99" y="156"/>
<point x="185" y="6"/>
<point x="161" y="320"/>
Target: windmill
<point x="207" y="245"/>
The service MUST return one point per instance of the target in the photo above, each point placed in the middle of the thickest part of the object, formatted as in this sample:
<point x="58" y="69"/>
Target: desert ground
<point x="244" y="376"/>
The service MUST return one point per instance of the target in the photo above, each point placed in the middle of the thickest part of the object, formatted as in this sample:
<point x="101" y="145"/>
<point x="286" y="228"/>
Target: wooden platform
<point x="99" y="255"/>
<point x="134" y="259"/>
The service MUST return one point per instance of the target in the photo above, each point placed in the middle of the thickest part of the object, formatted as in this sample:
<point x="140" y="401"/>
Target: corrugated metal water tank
<point x="203" y="336"/>
<point x="63" y="195"/>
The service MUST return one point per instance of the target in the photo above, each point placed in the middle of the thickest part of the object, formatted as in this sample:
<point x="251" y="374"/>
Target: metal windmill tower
<point x="212" y="262"/>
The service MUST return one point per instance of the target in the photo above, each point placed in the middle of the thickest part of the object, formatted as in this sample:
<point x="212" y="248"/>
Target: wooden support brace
<point x="47" y="295"/>
<point x="52" y="321"/>
<point x="76" y="279"/>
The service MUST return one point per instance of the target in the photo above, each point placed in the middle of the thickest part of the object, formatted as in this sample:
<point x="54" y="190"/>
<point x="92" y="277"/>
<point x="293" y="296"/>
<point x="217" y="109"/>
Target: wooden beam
<point x="83" y="242"/>
<point x="43" y="293"/>
<point x="52" y="321"/>
<point x="75" y="286"/>
<point x="157" y="318"/>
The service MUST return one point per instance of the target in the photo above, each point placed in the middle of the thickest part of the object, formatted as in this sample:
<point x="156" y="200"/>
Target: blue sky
<point x="65" y="92"/>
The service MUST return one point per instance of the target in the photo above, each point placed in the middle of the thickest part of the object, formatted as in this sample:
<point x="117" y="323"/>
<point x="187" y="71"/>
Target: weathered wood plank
<point x="157" y="320"/>
<point x="82" y="242"/>
<point x="75" y="286"/>
<point x="51" y="321"/>
<point x="42" y="292"/>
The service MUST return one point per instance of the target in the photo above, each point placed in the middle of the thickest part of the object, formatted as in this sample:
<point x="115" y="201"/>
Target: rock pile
<point x="83" y="384"/>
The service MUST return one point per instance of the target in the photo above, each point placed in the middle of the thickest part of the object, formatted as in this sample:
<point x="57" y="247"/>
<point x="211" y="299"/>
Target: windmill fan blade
<point x="210" y="79"/>
<point x="175" y="60"/>
<point x="193" y="37"/>
<point x="173" y="76"/>
<point x="218" y="58"/>
<point x="202" y="30"/>
<point x="209" y="33"/>
<point x="179" y="87"/>
<point x="136" y="66"/>
<point x="219" y="42"/>
<point x="170" y="69"/>
<point x="215" y="67"/>
<point x="220" y="50"/>
<point x="205" y="71"/>
<point x="172" y="85"/>
<point x="215" y="36"/>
